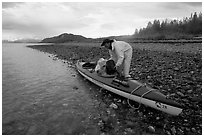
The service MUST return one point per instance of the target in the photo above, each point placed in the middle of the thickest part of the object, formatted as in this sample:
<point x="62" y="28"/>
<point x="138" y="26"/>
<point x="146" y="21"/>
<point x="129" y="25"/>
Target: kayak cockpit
<point x="89" y="65"/>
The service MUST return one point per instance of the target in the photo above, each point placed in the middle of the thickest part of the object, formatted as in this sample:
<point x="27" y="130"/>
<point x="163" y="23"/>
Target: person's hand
<point x="117" y="68"/>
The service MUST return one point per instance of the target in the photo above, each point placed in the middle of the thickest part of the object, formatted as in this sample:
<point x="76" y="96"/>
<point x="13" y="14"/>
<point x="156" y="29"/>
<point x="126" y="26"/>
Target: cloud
<point x="44" y="19"/>
<point x="193" y="4"/>
<point x="10" y="4"/>
<point x="181" y="5"/>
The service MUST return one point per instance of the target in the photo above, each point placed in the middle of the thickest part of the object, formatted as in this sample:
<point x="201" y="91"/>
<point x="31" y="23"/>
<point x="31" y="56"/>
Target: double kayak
<point x="135" y="90"/>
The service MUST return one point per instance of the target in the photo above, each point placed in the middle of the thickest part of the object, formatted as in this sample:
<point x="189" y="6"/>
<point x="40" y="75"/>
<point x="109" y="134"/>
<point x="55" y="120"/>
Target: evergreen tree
<point x="185" y="28"/>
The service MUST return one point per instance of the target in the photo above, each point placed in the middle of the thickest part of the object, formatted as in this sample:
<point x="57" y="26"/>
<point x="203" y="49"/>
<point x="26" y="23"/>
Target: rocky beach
<point x="174" y="69"/>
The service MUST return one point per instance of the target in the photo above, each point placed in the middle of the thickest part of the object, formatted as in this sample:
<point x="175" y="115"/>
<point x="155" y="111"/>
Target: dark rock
<point x="180" y="131"/>
<point x="168" y="133"/>
<point x="75" y="88"/>
<point x="32" y="130"/>
<point x="112" y="105"/>
<point x="176" y="69"/>
<point x="173" y="130"/>
<point x="187" y="129"/>
<point x="130" y="124"/>
<point x="151" y="129"/>
<point x="180" y="94"/>
<point x="190" y="91"/>
<point x="193" y="130"/>
<point x="196" y="99"/>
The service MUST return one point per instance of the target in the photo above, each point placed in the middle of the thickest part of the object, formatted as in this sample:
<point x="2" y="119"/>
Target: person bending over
<point x="121" y="53"/>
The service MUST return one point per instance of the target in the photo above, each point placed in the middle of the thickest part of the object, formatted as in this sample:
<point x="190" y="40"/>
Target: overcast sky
<point x="41" y="20"/>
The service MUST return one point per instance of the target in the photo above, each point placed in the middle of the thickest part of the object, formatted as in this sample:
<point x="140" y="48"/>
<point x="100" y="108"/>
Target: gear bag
<point x="110" y="67"/>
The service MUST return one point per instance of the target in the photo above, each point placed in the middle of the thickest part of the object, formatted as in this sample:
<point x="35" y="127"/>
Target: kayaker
<point x="121" y="53"/>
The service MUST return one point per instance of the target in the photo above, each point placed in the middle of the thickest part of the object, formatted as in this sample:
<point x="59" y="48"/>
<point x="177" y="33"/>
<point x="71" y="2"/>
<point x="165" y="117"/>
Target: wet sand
<point x="174" y="69"/>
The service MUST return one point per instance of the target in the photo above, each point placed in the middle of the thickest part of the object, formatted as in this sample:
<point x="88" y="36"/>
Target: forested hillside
<point x="172" y="29"/>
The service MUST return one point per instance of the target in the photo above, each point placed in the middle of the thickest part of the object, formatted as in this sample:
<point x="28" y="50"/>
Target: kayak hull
<point x="136" y="91"/>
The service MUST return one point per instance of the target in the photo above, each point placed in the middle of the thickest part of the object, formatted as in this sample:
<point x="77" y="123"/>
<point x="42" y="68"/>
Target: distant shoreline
<point x="124" y="38"/>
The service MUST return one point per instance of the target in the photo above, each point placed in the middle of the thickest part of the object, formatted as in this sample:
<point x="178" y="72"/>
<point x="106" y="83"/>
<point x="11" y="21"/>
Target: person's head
<point x="107" y="43"/>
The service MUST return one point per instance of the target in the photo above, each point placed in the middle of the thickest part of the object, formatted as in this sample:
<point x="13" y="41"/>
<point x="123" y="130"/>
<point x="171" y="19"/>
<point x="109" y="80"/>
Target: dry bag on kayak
<point x="110" y="67"/>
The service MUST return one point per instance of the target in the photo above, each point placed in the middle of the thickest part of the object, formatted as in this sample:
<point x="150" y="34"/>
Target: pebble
<point x="32" y="130"/>
<point x="115" y="99"/>
<point x="151" y="129"/>
<point x="140" y="114"/>
<point x="173" y="94"/>
<point x="193" y="130"/>
<point x="168" y="133"/>
<point x="124" y="102"/>
<point x="173" y="130"/>
<point x="100" y="123"/>
<point x="190" y="91"/>
<point x="65" y="104"/>
<point x="157" y="118"/>
<point x="130" y="123"/>
<point x="112" y="105"/>
<point x="185" y="120"/>
<point x="129" y="130"/>
<point x="192" y="72"/>
<point x="180" y="131"/>
<point x="180" y="94"/>
<point x="196" y="99"/>
<point x="187" y="129"/>
<point x="109" y="112"/>
<point x="75" y="87"/>
<point x="176" y="69"/>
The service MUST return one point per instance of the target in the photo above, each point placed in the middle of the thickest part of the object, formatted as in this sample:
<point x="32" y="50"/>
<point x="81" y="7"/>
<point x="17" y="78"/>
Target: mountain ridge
<point x="66" y="37"/>
<point x="69" y="37"/>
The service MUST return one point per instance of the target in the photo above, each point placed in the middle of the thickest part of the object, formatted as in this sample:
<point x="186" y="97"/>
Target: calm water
<point x="44" y="96"/>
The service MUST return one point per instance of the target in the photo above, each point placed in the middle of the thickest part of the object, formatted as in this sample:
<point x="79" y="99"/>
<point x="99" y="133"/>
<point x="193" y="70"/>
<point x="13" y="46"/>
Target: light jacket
<point x="118" y="50"/>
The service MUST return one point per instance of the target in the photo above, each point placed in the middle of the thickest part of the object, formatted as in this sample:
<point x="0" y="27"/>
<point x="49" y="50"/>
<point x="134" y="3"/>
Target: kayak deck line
<point x="128" y="100"/>
<point x="144" y="94"/>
